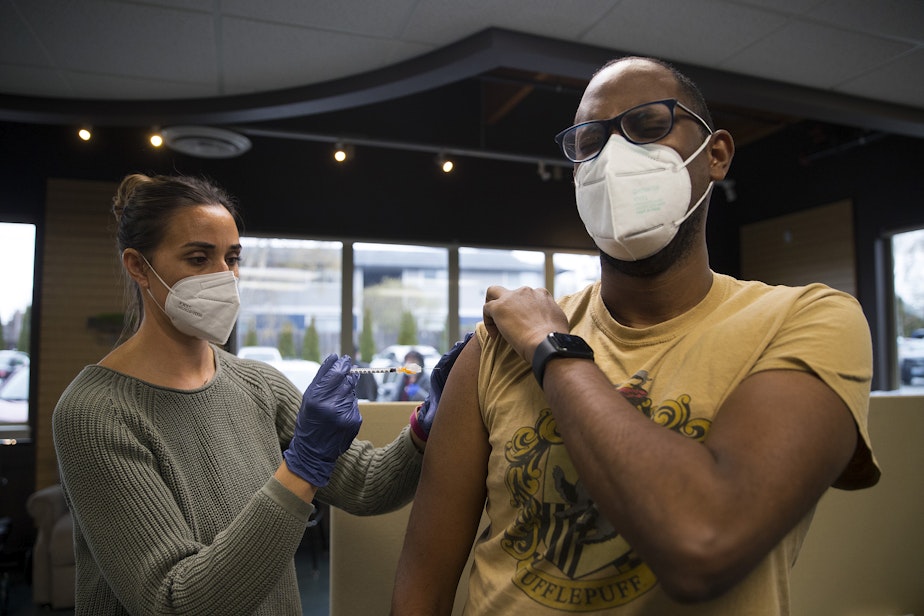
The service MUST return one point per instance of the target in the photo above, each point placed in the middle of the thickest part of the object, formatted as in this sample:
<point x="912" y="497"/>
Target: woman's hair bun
<point x="125" y="192"/>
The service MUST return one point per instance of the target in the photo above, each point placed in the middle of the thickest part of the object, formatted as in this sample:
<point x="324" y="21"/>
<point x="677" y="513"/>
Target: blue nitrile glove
<point x="422" y="417"/>
<point x="327" y="422"/>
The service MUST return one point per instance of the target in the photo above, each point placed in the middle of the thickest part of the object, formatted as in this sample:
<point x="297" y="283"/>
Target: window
<point x="480" y="268"/>
<point x="400" y="296"/>
<point x="573" y="271"/>
<point x="400" y="303"/>
<point x="17" y="256"/>
<point x="908" y="276"/>
<point x="302" y="300"/>
<point x="290" y="303"/>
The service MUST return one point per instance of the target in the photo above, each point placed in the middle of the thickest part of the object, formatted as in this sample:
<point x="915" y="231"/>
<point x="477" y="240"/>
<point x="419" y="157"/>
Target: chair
<point x="53" y="554"/>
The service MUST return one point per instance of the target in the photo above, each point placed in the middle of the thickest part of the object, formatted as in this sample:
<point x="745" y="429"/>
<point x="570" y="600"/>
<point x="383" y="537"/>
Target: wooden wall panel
<point x="80" y="279"/>
<point x="814" y="245"/>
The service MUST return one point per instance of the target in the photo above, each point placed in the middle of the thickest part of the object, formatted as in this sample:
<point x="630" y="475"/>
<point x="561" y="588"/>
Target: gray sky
<point x="908" y="254"/>
<point x="17" y="257"/>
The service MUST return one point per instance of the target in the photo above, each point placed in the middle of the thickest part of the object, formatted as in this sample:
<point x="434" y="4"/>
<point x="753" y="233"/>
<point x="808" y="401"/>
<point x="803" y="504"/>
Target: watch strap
<point x="549" y="349"/>
<point x="541" y="357"/>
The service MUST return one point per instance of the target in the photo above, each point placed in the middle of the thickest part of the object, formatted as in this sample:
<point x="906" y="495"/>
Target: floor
<point x="313" y="582"/>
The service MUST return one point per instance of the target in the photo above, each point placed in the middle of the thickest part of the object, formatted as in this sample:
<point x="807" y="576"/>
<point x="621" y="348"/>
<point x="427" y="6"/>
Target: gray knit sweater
<point x="175" y="507"/>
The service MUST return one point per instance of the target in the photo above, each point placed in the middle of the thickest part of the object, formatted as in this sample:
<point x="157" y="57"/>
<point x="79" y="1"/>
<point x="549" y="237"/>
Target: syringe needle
<point x="406" y="369"/>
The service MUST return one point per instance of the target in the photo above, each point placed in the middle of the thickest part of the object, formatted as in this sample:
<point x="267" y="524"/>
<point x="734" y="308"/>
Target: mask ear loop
<point x="706" y="192"/>
<point x="698" y="151"/>
<point x="689" y="213"/>
<point x="166" y="286"/>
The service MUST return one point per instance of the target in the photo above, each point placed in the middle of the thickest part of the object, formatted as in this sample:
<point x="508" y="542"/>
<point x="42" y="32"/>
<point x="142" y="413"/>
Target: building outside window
<point x="400" y="297"/>
<point x="397" y="297"/>
<point x="480" y="268"/>
<point x="290" y="303"/>
<point x="908" y="276"/>
<point x="574" y="271"/>
<point x="17" y="253"/>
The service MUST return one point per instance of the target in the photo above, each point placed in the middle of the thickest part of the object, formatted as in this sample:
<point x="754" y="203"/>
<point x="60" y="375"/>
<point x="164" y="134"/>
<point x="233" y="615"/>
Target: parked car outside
<point x="262" y="353"/>
<point x="10" y="360"/>
<point x="299" y="371"/>
<point x="911" y="356"/>
<point x="14" y="397"/>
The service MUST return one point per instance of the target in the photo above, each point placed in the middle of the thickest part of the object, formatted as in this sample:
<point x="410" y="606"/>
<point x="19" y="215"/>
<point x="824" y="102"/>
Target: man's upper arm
<point x="450" y="496"/>
<point x="789" y="436"/>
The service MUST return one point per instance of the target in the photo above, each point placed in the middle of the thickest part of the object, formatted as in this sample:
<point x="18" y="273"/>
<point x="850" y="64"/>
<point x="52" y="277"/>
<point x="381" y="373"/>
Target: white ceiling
<point x="193" y="49"/>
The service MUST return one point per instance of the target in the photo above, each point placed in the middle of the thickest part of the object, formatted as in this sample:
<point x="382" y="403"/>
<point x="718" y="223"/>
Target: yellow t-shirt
<point x="548" y="550"/>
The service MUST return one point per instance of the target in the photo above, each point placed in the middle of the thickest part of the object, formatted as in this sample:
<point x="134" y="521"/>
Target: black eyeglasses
<point x="645" y="123"/>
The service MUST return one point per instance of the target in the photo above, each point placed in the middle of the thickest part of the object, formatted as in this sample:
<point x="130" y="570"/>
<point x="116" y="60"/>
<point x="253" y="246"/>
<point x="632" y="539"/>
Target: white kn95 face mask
<point x="633" y="198"/>
<point x="203" y="306"/>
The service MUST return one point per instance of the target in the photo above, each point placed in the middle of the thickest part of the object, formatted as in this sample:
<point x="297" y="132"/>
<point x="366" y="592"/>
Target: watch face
<point x="570" y="344"/>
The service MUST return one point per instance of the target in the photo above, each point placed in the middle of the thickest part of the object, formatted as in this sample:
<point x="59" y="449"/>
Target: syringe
<point x="406" y="369"/>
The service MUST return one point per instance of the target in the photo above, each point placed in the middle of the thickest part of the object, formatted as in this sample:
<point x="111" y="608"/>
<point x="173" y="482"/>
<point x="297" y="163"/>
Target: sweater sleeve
<point x="367" y="480"/>
<point x="372" y="480"/>
<point x="129" y="523"/>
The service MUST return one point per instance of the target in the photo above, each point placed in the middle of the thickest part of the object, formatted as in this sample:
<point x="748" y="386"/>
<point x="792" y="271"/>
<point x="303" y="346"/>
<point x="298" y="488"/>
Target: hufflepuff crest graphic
<point x="568" y="555"/>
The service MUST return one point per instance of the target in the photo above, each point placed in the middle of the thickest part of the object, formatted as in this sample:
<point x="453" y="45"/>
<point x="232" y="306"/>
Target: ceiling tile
<point x="813" y="55"/>
<point x="443" y="21"/>
<point x="160" y="49"/>
<point x="18" y="45"/>
<point x="126" y="87"/>
<point x="202" y="6"/>
<point x="892" y="78"/>
<point x="903" y="19"/>
<point x="790" y="7"/>
<point x="384" y="19"/>
<point x="263" y="56"/>
<point x="125" y="40"/>
<point x="34" y="81"/>
<point x="702" y="33"/>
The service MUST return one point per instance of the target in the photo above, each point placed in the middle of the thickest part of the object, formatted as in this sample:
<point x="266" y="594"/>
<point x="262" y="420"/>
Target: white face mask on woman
<point x="633" y="198"/>
<point x="204" y="306"/>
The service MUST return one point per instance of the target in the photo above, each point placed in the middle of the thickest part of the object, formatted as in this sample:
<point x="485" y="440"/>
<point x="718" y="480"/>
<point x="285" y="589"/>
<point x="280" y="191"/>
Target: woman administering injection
<point x="191" y="472"/>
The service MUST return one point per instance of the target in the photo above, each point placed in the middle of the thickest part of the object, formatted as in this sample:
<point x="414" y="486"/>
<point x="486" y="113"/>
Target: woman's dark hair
<point x="143" y="205"/>
<point x="415" y="356"/>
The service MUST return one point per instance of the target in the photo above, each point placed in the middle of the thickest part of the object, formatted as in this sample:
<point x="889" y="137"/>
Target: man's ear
<point x="136" y="267"/>
<point x="721" y="152"/>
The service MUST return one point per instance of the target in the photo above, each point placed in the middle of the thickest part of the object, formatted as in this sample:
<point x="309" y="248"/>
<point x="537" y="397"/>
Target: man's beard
<point x="675" y="252"/>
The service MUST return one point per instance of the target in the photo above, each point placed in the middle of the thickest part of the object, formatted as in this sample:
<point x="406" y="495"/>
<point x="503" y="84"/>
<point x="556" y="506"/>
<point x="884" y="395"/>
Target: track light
<point x="156" y="139"/>
<point x="85" y="133"/>
<point x="445" y="163"/>
<point x="342" y="152"/>
<point x="544" y="174"/>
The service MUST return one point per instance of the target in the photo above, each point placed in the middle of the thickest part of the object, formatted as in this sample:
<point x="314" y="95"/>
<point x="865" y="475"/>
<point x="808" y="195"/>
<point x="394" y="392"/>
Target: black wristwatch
<point x="555" y="345"/>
